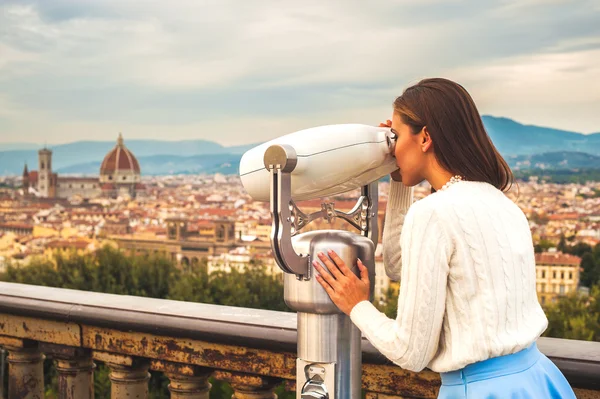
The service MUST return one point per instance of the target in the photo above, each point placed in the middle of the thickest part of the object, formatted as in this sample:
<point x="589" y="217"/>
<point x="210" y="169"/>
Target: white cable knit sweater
<point x="466" y="263"/>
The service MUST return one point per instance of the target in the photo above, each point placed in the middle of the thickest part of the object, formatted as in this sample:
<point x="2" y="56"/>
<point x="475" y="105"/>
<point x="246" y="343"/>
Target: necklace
<point x="453" y="179"/>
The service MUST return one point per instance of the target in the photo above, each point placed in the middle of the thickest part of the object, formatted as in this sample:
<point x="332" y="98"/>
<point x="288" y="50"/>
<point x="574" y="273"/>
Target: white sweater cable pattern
<point x="466" y="263"/>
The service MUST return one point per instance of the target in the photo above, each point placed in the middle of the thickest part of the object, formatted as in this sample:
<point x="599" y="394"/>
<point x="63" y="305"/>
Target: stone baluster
<point x="248" y="386"/>
<point x="25" y="371"/>
<point x="189" y="387"/>
<point x="2" y="368"/>
<point x="75" y="378"/>
<point x="129" y="381"/>
<point x="75" y="369"/>
<point x="187" y="381"/>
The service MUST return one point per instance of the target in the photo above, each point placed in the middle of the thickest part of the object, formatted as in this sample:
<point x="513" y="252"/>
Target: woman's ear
<point x="426" y="142"/>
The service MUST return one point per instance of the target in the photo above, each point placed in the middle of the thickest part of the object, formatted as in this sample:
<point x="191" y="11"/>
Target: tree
<point x="390" y="303"/>
<point x="153" y="276"/>
<point x="193" y="286"/>
<point x="590" y="261"/>
<point x="575" y="316"/>
<point x="75" y="271"/>
<point x="590" y="274"/>
<point x="113" y="272"/>
<point x="543" y="245"/>
<point x="579" y="249"/>
<point x="254" y="289"/>
<point x="562" y="244"/>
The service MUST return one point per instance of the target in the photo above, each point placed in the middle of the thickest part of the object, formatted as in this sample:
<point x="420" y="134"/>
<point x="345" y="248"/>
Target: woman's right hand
<point x="395" y="175"/>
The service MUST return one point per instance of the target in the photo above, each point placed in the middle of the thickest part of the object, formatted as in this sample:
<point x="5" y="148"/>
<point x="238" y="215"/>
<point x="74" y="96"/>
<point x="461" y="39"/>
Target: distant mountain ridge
<point x="66" y="158"/>
<point x="519" y="143"/>
<point x="513" y="138"/>
<point x="554" y="161"/>
<point x="171" y="164"/>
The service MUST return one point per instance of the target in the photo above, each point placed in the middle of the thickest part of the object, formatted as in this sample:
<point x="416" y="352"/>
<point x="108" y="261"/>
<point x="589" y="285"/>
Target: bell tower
<point x="44" y="171"/>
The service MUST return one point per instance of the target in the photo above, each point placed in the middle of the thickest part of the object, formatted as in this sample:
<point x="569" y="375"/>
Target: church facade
<point x="120" y="175"/>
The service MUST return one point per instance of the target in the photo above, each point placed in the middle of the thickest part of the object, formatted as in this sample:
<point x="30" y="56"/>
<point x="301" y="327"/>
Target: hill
<point x="171" y="164"/>
<point x="554" y="161"/>
<point x="513" y="138"/>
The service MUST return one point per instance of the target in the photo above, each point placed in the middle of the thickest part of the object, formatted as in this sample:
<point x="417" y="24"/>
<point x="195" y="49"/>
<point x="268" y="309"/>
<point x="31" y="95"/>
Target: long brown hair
<point x="460" y="142"/>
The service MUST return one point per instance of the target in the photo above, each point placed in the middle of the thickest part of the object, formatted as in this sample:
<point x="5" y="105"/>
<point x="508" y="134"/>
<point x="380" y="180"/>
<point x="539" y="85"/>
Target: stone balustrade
<point x="253" y="350"/>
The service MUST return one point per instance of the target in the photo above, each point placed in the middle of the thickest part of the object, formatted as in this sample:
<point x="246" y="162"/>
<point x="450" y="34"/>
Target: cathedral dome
<point x="120" y="161"/>
<point x="120" y="168"/>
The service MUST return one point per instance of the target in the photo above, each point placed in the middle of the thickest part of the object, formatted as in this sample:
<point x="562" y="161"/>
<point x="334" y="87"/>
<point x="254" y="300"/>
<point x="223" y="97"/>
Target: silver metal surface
<point x="357" y="217"/>
<point x="329" y="345"/>
<point x="328" y="338"/>
<point x="332" y="339"/>
<point x="282" y="157"/>
<point x="308" y="295"/>
<point x="318" y="381"/>
<point x="281" y="197"/>
<point x="371" y="192"/>
<point x="325" y="334"/>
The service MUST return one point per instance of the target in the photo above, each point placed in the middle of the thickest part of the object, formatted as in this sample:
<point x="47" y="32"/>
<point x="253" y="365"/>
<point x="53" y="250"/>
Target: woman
<point x="467" y="306"/>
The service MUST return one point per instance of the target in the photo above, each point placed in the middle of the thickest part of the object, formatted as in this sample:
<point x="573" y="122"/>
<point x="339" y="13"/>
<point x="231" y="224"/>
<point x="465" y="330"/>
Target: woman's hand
<point x="342" y="285"/>
<point x="395" y="175"/>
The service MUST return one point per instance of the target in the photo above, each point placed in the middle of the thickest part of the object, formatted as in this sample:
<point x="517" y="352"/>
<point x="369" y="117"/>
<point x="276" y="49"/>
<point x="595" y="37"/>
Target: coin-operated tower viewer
<point x="308" y="164"/>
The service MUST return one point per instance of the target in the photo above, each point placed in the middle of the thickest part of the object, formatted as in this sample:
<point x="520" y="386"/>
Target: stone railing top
<point x="260" y="328"/>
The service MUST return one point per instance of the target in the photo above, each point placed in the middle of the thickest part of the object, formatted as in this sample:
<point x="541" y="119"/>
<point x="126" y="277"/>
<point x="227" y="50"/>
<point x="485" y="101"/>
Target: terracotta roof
<point x="564" y="216"/>
<point x="33" y="176"/>
<point x="16" y="226"/>
<point x="556" y="258"/>
<point x="217" y="212"/>
<point x="67" y="244"/>
<point x="119" y="159"/>
<point x="201" y="225"/>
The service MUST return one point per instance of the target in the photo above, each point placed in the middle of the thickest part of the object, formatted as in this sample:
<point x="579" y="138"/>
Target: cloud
<point x="85" y="66"/>
<point x="564" y="87"/>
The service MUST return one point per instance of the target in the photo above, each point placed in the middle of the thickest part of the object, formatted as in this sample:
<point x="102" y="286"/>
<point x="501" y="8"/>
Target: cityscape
<point x="193" y="217"/>
<point x="202" y="238"/>
<point x="137" y="261"/>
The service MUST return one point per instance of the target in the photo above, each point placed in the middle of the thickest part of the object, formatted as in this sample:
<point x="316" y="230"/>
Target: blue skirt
<point x="523" y="375"/>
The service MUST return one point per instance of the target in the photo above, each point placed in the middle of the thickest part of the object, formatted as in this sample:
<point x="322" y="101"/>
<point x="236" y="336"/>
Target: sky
<point x="239" y="72"/>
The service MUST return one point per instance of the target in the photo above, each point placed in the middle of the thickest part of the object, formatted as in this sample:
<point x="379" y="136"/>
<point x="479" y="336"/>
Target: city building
<point x="188" y="246"/>
<point x="119" y="176"/>
<point x="557" y="274"/>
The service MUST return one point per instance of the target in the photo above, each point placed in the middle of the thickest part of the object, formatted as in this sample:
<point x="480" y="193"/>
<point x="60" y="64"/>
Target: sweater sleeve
<point x="399" y="200"/>
<point x="411" y="340"/>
